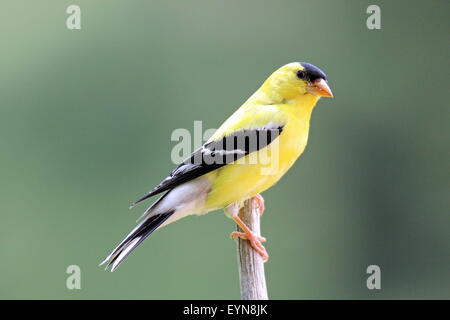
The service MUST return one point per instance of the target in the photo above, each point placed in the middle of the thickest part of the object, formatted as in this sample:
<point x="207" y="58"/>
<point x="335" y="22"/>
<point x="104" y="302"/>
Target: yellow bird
<point x="247" y="155"/>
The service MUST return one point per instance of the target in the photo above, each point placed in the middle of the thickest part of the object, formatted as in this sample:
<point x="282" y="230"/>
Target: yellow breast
<point x="246" y="177"/>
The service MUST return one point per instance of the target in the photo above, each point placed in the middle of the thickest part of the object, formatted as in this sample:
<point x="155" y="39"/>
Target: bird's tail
<point x="134" y="238"/>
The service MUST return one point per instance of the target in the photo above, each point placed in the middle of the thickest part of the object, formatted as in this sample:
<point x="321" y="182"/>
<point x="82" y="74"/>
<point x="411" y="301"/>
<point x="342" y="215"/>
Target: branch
<point x="251" y="265"/>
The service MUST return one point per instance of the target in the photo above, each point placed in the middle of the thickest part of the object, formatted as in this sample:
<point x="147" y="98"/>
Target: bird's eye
<point x="301" y="74"/>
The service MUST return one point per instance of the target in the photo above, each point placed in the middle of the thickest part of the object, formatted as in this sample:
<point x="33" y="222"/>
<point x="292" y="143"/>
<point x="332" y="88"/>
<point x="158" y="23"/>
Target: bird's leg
<point x="259" y="200"/>
<point x="255" y="241"/>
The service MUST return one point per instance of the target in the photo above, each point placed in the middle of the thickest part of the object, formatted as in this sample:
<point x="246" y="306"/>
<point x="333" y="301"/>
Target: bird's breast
<point x="258" y="171"/>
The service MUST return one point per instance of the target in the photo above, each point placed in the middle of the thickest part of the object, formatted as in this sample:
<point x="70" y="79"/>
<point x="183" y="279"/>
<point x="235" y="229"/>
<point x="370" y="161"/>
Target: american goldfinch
<point x="247" y="155"/>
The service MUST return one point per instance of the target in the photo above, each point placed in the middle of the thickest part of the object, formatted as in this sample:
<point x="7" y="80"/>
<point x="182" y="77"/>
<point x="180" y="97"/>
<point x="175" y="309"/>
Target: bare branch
<point x="251" y="265"/>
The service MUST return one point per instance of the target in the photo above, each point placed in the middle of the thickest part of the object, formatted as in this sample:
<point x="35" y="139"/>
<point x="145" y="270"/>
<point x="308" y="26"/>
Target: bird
<point x="247" y="155"/>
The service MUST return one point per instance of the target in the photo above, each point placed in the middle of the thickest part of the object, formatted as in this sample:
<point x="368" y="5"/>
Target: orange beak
<point x="320" y="88"/>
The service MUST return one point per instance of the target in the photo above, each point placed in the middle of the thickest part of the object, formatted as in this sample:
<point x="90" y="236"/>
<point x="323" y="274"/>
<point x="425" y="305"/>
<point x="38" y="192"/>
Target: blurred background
<point x="86" y="118"/>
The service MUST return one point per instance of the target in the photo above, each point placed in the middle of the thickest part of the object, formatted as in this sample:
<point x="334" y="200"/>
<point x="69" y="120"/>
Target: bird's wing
<point x="242" y="134"/>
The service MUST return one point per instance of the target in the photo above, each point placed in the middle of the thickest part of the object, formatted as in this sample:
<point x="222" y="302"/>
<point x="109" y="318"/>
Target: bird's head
<point x="298" y="79"/>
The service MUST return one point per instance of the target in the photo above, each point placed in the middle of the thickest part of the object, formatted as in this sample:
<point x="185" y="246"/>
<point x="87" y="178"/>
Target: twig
<point x="251" y="265"/>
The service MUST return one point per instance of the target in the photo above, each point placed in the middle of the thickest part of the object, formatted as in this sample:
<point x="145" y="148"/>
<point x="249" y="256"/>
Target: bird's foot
<point x="255" y="242"/>
<point x="259" y="201"/>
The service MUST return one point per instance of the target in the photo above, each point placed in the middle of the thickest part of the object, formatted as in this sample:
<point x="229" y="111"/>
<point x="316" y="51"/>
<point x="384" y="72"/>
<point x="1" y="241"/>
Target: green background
<point x="85" y="124"/>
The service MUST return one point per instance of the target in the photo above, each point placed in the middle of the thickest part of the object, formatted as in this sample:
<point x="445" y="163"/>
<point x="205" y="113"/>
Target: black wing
<point x="216" y="154"/>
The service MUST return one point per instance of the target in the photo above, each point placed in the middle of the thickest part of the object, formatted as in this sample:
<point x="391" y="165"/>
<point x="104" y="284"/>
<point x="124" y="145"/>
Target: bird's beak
<point x="320" y="88"/>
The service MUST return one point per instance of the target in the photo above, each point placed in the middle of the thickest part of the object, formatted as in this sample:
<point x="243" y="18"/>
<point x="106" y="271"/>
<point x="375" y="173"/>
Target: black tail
<point x="136" y="236"/>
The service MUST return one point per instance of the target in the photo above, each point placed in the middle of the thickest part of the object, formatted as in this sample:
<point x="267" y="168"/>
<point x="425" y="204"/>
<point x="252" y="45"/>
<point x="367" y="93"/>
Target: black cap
<point x="313" y="73"/>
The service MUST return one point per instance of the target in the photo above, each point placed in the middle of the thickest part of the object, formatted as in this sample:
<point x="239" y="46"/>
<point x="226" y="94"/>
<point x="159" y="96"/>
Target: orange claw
<point x="243" y="235"/>
<point x="255" y="241"/>
<point x="259" y="200"/>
